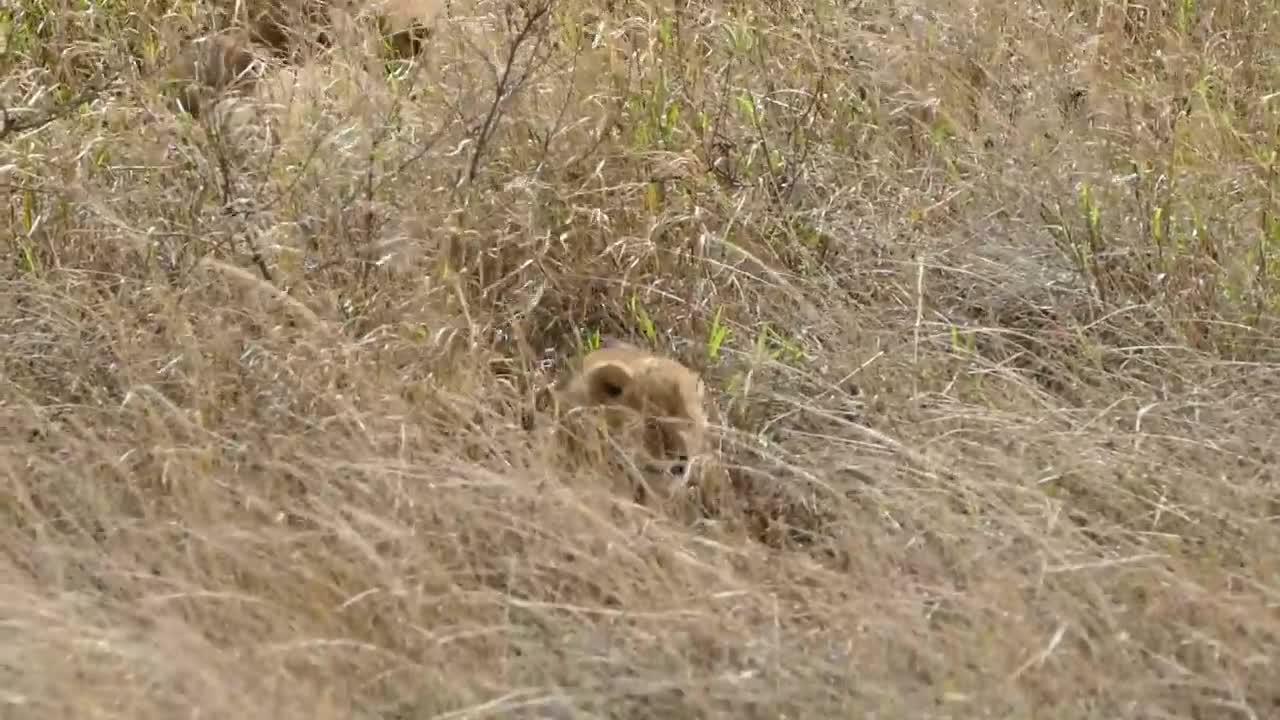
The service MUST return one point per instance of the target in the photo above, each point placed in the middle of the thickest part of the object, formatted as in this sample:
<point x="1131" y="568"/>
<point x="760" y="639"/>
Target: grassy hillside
<point x="985" y="293"/>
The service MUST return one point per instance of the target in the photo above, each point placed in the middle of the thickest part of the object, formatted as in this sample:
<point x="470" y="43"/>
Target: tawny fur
<point x="403" y="23"/>
<point x="210" y="66"/>
<point x="653" y="404"/>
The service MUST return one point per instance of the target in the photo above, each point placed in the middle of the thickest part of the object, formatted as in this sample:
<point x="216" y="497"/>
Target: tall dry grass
<point x="985" y="293"/>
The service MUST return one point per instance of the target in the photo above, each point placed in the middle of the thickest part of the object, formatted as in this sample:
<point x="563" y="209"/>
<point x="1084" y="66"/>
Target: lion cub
<point x="654" y="404"/>
<point x="208" y="66"/>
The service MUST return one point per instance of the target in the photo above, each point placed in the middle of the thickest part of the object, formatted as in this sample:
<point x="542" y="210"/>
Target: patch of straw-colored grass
<point x="985" y="294"/>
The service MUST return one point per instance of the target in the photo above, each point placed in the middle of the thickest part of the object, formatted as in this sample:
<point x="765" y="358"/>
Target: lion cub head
<point x="656" y="403"/>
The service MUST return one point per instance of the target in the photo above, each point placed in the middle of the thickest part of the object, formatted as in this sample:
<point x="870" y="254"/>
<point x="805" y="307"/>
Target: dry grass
<point x="986" y="293"/>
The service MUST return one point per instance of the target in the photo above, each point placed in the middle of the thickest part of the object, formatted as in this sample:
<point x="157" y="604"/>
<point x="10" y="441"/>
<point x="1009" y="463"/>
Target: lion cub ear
<point x="607" y="383"/>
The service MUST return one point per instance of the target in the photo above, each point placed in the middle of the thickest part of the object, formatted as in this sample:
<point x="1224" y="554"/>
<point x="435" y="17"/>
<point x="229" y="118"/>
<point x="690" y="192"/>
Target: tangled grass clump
<point x="984" y="296"/>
